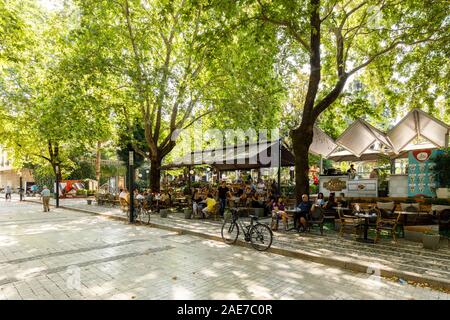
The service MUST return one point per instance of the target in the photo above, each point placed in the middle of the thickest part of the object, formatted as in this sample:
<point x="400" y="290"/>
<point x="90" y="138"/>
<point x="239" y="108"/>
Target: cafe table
<point x="405" y="215"/>
<point x="366" y="217"/>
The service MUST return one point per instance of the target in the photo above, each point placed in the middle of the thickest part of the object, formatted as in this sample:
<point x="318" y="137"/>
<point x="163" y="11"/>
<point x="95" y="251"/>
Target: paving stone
<point x="74" y="257"/>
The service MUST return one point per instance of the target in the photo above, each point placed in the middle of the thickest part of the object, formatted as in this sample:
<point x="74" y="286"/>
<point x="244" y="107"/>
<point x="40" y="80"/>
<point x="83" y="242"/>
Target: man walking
<point x="8" y="192"/>
<point x="223" y="193"/>
<point x="45" y="194"/>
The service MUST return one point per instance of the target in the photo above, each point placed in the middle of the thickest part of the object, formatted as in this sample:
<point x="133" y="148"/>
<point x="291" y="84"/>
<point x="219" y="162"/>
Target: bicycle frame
<point x="245" y="227"/>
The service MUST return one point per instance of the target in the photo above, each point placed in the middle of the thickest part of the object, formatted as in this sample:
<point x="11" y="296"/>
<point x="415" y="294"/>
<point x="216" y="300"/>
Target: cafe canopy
<point x="417" y="130"/>
<point x="359" y="142"/>
<point x="239" y="157"/>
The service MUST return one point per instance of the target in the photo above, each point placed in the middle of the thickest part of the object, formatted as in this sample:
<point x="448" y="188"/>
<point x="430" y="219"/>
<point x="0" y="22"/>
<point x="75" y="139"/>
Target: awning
<point x="322" y="144"/>
<point x="418" y="124"/>
<point x="360" y="136"/>
<point x="238" y="157"/>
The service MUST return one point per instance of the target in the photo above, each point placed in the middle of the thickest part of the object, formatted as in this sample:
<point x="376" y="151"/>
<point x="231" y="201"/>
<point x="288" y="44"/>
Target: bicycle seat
<point x="253" y="217"/>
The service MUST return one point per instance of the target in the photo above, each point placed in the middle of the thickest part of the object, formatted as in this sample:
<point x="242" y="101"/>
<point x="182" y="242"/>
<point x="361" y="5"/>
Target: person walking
<point x="223" y="195"/>
<point x="8" y="193"/>
<point x="45" y="194"/>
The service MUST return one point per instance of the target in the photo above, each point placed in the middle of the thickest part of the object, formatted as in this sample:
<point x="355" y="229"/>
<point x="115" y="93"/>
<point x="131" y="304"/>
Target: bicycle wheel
<point x="230" y="231"/>
<point x="261" y="237"/>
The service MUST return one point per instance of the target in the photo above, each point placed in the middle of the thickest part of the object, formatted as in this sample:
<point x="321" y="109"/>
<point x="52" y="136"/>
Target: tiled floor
<point x="72" y="255"/>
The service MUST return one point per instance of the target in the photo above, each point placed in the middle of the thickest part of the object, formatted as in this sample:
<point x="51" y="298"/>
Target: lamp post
<point x="131" y="183"/>
<point x="20" y="186"/>
<point x="57" y="185"/>
<point x="148" y="178"/>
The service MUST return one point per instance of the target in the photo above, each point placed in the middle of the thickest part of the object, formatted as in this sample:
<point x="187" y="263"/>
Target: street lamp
<point x="131" y="183"/>
<point x="57" y="185"/>
<point x="148" y="178"/>
<point x="20" y="186"/>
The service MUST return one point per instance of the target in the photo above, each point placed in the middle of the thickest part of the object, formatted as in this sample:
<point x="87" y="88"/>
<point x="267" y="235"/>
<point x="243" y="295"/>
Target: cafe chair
<point x="316" y="218"/>
<point x="349" y="223"/>
<point x="442" y="218"/>
<point x="386" y="222"/>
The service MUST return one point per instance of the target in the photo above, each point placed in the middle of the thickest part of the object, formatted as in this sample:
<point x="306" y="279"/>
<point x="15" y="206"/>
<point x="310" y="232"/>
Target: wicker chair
<point x="316" y="218"/>
<point x="442" y="218"/>
<point x="349" y="222"/>
<point x="386" y="222"/>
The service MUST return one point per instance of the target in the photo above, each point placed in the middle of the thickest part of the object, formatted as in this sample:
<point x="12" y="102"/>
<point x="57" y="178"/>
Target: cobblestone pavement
<point x="405" y="256"/>
<point x="71" y="255"/>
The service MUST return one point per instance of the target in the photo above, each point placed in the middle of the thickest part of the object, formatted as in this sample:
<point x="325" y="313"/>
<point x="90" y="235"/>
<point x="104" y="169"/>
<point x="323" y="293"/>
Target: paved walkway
<point x="406" y="259"/>
<point x="66" y="254"/>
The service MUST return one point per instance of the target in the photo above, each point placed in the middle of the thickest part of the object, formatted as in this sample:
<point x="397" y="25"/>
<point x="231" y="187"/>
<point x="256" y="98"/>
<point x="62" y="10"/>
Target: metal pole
<point x="131" y="184"/>
<point x="279" y="166"/>
<point x="57" y="186"/>
<point x="20" y="187"/>
<point x="321" y="165"/>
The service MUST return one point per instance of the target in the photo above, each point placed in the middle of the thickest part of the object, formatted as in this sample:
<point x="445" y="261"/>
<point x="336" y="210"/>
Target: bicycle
<point x="259" y="235"/>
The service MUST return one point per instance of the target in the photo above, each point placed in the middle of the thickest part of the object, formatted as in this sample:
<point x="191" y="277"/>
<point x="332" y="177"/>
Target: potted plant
<point x="441" y="169"/>
<point x="187" y="213"/>
<point x="431" y="240"/>
<point x="163" y="213"/>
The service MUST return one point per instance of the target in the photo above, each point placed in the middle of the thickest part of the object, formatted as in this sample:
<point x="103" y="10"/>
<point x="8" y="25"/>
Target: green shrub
<point x="81" y="192"/>
<point x="313" y="189"/>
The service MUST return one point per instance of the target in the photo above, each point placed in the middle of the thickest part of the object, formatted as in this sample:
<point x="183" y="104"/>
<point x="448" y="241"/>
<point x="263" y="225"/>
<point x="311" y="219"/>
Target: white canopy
<point x="322" y="143"/>
<point x="417" y="130"/>
<point x="418" y="124"/>
<point x="360" y="136"/>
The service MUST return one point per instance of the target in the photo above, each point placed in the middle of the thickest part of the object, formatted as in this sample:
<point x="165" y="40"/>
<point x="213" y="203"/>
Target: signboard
<point x="421" y="179"/>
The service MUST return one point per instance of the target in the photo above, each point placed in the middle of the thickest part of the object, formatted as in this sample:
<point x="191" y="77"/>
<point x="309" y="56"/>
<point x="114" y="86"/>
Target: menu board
<point x="421" y="178"/>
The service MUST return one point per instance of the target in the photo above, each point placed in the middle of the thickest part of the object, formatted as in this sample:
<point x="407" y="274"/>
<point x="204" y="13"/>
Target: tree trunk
<point x="155" y="175"/>
<point x="301" y="139"/>
<point x="97" y="163"/>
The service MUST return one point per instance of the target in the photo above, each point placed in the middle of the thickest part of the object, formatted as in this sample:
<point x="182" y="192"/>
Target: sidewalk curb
<point x="342" y="263"/>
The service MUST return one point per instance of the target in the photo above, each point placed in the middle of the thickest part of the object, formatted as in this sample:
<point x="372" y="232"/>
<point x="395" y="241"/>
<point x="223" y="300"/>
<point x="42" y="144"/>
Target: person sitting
<point x="331" y="203"/>
<point x="165" y="199"/>
<point x="278" y="212"/>
<point x="374" y="174"/>
<point x="196" y="200"/>
<point x="210" y="204"/>
<point x="351" y="172"/>
<point x="302" y="212"/>
<point x="320" y="201"/>
<point x="124" y="195"/>
<point x="255" y="202"/>
<point x="268" y="205"/>
<point x="260" y="187"/>
<point x="342" y="201"/>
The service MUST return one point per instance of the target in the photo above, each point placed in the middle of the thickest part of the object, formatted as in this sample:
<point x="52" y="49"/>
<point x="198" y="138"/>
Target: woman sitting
<point x="320" y="201"/>
<point x="196" y="199"/>
<point x="210" y="204"/>
<point x="278" y="212"/>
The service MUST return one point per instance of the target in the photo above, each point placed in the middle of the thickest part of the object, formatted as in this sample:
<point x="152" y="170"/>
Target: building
<point x="10" y="176"/>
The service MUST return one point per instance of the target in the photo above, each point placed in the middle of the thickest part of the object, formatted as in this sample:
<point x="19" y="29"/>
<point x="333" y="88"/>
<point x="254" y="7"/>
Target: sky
<point x="51" y="4"/>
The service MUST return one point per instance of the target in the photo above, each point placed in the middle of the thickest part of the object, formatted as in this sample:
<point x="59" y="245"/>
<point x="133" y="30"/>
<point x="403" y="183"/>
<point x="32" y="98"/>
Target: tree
<point x="340" y="39"/>
<point x="166" y="67"/>
<point x="47" y="109"/>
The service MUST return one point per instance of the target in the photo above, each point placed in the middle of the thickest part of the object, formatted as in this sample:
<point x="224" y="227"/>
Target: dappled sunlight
<point x="181" y="293"/>
<point x="263" y="268"/>
<point x="7" y="241"/>
<point x="215" y="244"/>
<point x="209" y="273"/>
<point x="239" y="274"/>
<point x="148" y="276"/>
<point x="28" y="273"/>
<point x="258" y="291"/>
